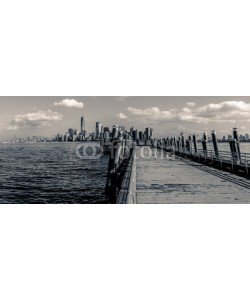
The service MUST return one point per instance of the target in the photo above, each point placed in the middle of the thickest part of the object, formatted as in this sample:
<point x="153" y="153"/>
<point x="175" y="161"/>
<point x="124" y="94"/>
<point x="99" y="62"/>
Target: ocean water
<point x="50" y="173"/>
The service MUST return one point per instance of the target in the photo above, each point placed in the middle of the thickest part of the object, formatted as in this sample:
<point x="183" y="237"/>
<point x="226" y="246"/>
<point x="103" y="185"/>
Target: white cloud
<point x="35" y="119"/>
<point x="13" y="127"/>
<point x="190" y="104"/>
<point x="69" y="103"/>
<point x="153" y="113"/>
<point x="122" y="116"/>
<point x="226" y="111"/>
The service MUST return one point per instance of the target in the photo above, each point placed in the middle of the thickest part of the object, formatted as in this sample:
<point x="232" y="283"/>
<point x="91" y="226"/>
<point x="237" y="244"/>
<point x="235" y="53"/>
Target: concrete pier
<point x="162" y="180"/>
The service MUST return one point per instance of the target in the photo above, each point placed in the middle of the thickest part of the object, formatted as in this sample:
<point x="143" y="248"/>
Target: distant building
<point x="82" y="131"/>
<point x="71" y="134"/>
<point x="122" y="128"/>
<point x="106" y="136"/>
<point x="151" y="133"/>
<point x="141" y="136"/>
<point x="135" y="135"/>
<point x="67" y="137"/>
<point x="98" y="130"/>
<point x="114" y="131"/>
<point x="148" y="133"/>
<point x="132" y="129"/>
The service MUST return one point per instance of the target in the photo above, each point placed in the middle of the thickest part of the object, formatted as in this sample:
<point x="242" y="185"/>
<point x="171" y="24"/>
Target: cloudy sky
<point x="24" y="116"/>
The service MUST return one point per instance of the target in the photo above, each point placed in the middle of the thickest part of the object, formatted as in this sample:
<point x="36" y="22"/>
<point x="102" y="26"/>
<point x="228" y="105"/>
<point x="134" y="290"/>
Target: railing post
<point x="167" y="141"/>
<point x="215" y="143"/>
<point x="233" y="150"/>
<point x="171" y="142"/>
<point x="174" y="142"/>
<point x="195" y="143"/>
<point x="118" y="152"/>
<point x="204" y="144"/>
<point x="111" y="180"/>
<point x="182" y="142"/>
<point x="190" y="143"/>
<point x="178" y="145"/>
<point x="236" y="137"/>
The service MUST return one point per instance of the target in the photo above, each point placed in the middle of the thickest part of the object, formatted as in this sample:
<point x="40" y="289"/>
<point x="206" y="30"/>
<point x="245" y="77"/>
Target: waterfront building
<point x="151" y="133"/>
<point x="106" y="136"/>
<point x="132" y="129"/>
<point x="114" y="131"/>
<point x="67" y="136"/>
<point x="82" y="135"/>
<point x="98" y="130"/>
<point x="148" y="133"/>
<point x="135" y="135"/>
<point x="141" y="136"/>
<point x="72" y="133"/>
<point x="122" y="128"/>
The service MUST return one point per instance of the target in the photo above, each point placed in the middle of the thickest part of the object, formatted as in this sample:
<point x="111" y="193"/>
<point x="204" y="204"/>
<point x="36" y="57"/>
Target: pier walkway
<point x="160" y="180"/>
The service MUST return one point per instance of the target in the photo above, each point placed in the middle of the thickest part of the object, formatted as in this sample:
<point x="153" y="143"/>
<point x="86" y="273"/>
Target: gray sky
<point x="25" y="116"/>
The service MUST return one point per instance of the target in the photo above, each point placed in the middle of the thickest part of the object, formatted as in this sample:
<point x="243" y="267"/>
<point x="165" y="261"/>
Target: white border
<point x="128" y="47"/>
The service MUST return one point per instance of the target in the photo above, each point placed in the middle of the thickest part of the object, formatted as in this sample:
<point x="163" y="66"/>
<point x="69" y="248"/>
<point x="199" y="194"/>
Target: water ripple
<point x="50" y="173"/>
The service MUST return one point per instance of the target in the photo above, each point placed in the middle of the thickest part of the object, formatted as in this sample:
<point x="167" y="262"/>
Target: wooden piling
<point x="187" y="147"/>
<point x="204" y="143"/>
<point x="182" y="142"/>
<point x="195" y="143"/>
<point x="233" y="149"/>
<point x="232" y="160"/>
<point x="237" y="140"/>
<point x="215" y="143"/>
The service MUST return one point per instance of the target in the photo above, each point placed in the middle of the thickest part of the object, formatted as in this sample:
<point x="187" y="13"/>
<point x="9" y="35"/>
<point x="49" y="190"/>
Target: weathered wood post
<point x="118" y="152"/>
<point x="233" y="149"/>
<point x="190" y="143"/>
<point x="237" y="140"/>
<point x="178" y="144"/>
<point x="167" y="142"/>
<point x="204" y="144"/>
<point x="215" y="143"/>
<point x="182" y="142"/>
<point x="111" y="179"/>
<point x="174" y="143"/>
<point x="195" y="143"/>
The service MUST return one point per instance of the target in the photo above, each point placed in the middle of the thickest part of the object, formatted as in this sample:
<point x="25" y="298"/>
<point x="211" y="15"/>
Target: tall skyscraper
<point x="135" y="135"/>
<point x="148" y="133"/>
<point x="98" y="130"/>
<point x="151" y="133"/>
<point x="114" y="131"/>
<point x="132" y="129"/>
<point x="82" y="133"/>
<point x="141" y="135"/>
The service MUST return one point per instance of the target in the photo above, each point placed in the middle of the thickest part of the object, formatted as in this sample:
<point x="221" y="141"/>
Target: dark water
<point x="50" y="173"/>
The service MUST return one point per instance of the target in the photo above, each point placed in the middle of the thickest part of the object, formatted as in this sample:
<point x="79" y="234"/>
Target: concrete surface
<point x="161" y="180"/>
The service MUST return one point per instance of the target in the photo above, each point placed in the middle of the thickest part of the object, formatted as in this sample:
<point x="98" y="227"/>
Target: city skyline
<point x="47" y="116"/>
